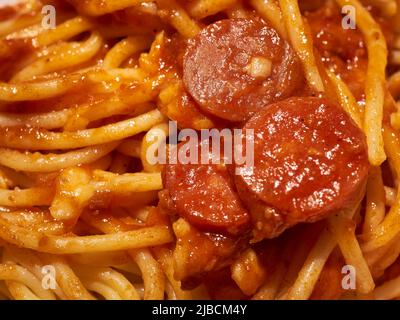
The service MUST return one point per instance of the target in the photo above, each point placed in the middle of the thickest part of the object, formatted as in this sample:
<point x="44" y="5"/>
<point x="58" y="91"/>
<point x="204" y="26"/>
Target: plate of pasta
<point x="113" y="184"/>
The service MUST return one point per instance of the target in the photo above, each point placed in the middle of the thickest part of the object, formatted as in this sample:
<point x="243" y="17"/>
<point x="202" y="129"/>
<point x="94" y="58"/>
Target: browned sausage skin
<point x="310" y="160"/>
<point x="235" y="67"/>
<point x="204" y="194"/>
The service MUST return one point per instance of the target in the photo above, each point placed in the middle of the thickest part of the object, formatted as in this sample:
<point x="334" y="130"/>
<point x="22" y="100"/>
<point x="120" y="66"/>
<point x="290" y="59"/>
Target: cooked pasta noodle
<point x="85" y="108"/>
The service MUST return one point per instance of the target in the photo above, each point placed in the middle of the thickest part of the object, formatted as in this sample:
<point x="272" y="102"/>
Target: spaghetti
<point x="82" y="105"/>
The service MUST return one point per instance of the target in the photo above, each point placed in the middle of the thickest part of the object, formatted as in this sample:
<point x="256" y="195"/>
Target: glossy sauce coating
<point x="204" y="195"/>
<point x="198" y="253"/>
<point x="342" y="50"/>
<point x="235" y="67"/>
<point x="329" y="285"/>
<point x="174" y="101"/>
<point x="310" y="159"/>
<point x="179" y="106"/>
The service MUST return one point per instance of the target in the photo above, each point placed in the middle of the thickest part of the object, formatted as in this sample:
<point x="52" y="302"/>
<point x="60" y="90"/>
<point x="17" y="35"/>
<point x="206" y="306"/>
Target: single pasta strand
<point x="96" y="8"/>
<point x="126" y="183"/>
<point x="375" y="206"/>
<point x="145" y="237"/>
<point x="77" y="53"/>
<point x="390" y="196"/>
<point x="200" y="9"/>
<point x="64" y="31"/>
<point x="33" y="139"/>
<point x="152" y="141"/>
<point x="125" y="48"/>
<point x="37" y="162"/>
<point x="375" y="80"/>
<point x="312" y="268"/>
<point x="346" y="98"/>
<point x="301" y="42"/>
<point x="386" y="231"/>
<point x="38" y="90"/>
<point x="49" y="120"/>
<point x="270" y="11"/>
<point x="26" y="198"/>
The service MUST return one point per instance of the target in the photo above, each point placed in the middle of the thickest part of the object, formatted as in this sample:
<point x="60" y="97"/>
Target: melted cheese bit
<point x="259" y="67"/>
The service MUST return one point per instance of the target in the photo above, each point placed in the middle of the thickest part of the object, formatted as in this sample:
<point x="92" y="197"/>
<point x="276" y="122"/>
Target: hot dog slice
<point x="204" y="195"/>
<point x="310" y="159"/>
<point x="234" y="67"/>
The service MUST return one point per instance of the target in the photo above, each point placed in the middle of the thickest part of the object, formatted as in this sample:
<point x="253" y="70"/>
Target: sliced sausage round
<point x="204" y="194"/>
<point x="173" y="101"/>
<point x="310" y="159"/>
<point x="234" y="67"/>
